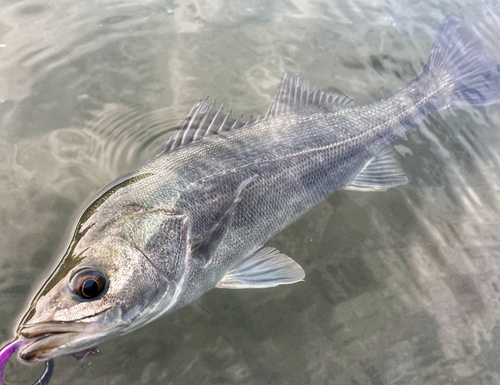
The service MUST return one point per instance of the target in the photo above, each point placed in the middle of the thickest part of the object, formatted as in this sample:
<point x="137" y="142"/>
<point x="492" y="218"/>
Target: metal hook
<point x="89" y="352"/>
<point x="47" y="373"/>
<point x="81" y="362"/>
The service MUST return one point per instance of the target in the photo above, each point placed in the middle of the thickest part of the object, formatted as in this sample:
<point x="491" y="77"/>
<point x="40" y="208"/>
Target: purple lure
<point x="7" y="352"/>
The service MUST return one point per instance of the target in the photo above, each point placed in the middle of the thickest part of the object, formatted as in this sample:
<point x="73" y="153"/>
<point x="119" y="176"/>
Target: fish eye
<point x="89" y="284"/>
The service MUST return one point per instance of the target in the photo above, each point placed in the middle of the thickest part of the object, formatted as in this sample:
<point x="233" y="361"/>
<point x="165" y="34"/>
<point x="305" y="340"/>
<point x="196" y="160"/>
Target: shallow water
<point x="402" y="287"/>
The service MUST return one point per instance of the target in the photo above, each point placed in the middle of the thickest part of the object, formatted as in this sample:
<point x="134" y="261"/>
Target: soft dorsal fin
<point x="293" y="95"/>
<point x="204" y="120"/>
<point x="266" y="268"/>
<point x="381" y="173"/>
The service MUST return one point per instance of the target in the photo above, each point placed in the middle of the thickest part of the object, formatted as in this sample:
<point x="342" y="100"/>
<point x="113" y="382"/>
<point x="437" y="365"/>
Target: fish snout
<point x="36" y="330"/>
<point x="44" y="339"/>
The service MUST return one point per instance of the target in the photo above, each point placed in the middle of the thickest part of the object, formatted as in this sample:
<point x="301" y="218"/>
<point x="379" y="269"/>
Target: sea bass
<point x="197" y="215"/>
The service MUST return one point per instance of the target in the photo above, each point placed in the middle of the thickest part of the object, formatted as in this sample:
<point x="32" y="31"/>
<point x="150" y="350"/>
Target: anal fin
<point x="381" y="173"/>
<point x="266" y="268"/>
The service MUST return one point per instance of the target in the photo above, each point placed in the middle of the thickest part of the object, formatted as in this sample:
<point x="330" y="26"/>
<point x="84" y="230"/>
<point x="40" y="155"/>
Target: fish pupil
<point x="89" y="284"/>
<point x="90" y="288"/>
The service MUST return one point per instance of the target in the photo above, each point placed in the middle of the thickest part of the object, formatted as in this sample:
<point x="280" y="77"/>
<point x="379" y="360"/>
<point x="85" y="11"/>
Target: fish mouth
<point x="56" y="338"/>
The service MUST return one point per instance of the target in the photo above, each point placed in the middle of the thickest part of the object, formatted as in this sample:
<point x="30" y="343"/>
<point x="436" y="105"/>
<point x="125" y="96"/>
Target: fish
<point x="197" y="215"/>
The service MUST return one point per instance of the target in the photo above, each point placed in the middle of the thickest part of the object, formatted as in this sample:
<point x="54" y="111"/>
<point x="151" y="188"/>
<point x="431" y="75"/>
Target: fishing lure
<point x="8" y="351"/>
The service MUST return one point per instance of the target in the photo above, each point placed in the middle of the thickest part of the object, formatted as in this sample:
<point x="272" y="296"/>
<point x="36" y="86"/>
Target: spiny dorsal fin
<point x="293" y="95"/>
<point x="204" y="120"/>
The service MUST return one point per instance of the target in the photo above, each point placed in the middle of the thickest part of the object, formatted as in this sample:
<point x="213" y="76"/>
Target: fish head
<point x="113" y="278"/>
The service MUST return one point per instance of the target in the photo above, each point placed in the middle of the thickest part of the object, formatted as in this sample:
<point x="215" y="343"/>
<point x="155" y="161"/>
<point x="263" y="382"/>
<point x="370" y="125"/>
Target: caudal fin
<point x="461" y="54"/>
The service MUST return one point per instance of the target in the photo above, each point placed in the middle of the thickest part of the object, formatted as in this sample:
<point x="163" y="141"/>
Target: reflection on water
<point x="402" y="287"/>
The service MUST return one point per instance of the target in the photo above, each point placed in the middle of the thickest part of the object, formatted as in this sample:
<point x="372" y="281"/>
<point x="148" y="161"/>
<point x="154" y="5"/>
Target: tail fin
<point x="461" y="54"/>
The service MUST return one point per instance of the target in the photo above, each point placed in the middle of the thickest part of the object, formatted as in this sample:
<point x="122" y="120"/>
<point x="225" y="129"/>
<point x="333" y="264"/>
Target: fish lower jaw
<point x="40" y="349"/>
<point x="45" y="346"/>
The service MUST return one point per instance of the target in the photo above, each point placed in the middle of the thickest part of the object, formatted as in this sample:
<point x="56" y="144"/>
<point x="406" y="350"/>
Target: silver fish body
<point x="196" y="216"/>
<point x="297" y="161"/>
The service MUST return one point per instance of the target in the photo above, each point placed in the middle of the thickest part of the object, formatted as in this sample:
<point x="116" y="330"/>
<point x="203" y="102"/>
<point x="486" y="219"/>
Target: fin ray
<point x="204" y="120"/>
<point x="293" y="95"/>
<point x="380" y="174"/>
<point x="459" y="51"/>
<point x="265" y="268"/>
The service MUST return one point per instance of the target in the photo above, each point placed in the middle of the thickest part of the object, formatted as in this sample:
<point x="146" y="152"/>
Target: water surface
<point x="402" y="287"/>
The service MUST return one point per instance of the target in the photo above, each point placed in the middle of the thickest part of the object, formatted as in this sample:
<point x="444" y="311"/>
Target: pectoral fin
<point x="381" y="172"/>
<point x="163" y="240"/>
<point x="206" y="248"/>
<point x="266" y="268"/>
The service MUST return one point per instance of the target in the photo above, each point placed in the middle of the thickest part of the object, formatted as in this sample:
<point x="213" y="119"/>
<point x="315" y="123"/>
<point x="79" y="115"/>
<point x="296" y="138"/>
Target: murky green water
<point x="402" y="287"/>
